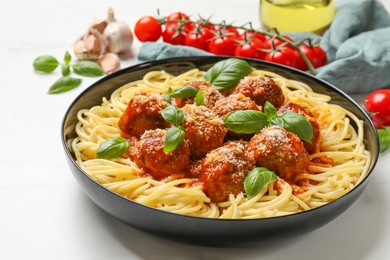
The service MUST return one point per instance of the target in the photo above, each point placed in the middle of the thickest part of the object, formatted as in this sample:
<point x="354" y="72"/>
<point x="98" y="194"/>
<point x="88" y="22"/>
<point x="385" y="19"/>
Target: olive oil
<point x="297" y="15"/>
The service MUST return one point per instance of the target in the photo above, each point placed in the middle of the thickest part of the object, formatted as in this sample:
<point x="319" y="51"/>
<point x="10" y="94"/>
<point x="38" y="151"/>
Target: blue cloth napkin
<point x="357" y="44"/>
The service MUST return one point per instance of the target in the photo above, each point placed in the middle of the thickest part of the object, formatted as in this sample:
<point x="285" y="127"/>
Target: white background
<point x="43" y="212"/>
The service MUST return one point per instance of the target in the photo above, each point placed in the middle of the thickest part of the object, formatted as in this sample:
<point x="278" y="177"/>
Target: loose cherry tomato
<point x="283" y="55"/>
<point x="378" y="105"/>
<point x="252" y="34"/>
<point x="277" y="42"/>
<point x="224" y="45"/>
<point x="315" y="54"/>
<point x="252" y="49"/>
<point x="173" y="36"/>
<point x="179" y="16"/>
<point x="148" y="29"/>
<point x="196" y="40"/>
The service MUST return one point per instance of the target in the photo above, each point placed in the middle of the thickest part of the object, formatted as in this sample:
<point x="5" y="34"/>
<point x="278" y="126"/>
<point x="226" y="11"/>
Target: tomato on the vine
<point x="224" y="45"/>
<point x="378" y="105"/>
<point x="147" y="28"/>
<point x="179" y="16"/>
<point x="173" y="36"/>
<point x="252" y="49"/>
<point x="276" y="42"/>
<point x="197" y="40"/>
<point x="251" y="34"/>
<point x="283" y="55"/>
<point x="315" y="54"/>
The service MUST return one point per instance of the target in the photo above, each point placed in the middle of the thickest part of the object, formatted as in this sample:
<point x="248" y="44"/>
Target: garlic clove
<point x="98" y="24"/>
<point x="109" y="62"/>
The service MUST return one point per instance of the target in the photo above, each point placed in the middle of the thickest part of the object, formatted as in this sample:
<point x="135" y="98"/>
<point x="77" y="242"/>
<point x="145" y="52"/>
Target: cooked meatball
<point x="280" y="151"/>
<point x="151" y="157"/>
<point x="261" y="89"/>
<point x="204" y="130"/>
<point x="224" y="170"/>
<point x="232" y="103"/>
<point x="210" y="94"/>
<point x="143" y="113"/>
<point x="314" y="147"/>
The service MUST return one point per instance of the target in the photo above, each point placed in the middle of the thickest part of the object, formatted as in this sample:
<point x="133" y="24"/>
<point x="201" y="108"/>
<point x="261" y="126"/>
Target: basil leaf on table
<point x="297" y="124"/>
<point x="257" y="179"/>
<point x="67" y="58"/>
<point x="64" y="84"/>
<point x="112" y="148"/>
<point x="174" y="138"/>
<point x="226" y="74"/>
<point x="173" y="115"/>
<point x="45" y="63"/>
<point x="65" y="69"/>
<point x="87" y="68"/>
<point x="246" y="121"/>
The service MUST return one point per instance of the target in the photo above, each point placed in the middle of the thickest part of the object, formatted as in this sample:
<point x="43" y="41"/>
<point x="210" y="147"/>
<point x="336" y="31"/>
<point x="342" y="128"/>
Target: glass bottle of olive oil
<point x="297" y="15"/>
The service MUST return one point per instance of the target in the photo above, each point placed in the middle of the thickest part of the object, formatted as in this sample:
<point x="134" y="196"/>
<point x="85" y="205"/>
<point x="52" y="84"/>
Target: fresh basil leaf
<point x="199" y="98"/>
<point x="257" y="179"/>
<point x="45" y="63"/>
<point x="270" y="110"/>
<point x="65" y="69"/>
<point x="64" y="84"/>
<point x="184" y="92"/>
<point x="167" y="98"/>
<point x="67" y="58"/>
<point x="87" y="68"/>
<point x="173" y="115"/>
<point x="173" y="139"/>
<point x="226" y="74"/>
<point x="246" y="121"/>
<point x="112" y="148"/>
<point x="297" y="124"/>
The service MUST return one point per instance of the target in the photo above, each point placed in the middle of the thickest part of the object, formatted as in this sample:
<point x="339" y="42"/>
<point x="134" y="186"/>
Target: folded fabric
<point x="357" y="45"/>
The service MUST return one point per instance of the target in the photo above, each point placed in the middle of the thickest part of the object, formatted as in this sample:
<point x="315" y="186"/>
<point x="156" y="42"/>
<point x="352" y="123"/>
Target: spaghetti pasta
<point x="340" y="142"/>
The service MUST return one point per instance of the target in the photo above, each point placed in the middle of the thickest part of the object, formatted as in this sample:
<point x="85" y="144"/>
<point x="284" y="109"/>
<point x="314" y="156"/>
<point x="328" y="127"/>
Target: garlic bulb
<point x="118" y="34"/>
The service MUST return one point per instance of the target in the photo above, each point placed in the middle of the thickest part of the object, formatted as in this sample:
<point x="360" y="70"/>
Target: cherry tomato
<point x="378" y="105"/>
<point x="251" y="49"/>
<point x="252" y="34"/>
<point x="315" y="54"/>
<point x="148" y="29"/>
<point x="229" y="31"/>
<point x="276" y="42"/>
<point x="196" y="40"/>
<point x="224" y="45"/>
<point x="179" y="16"/>
<point x="173" y="36"/>
<point x="284" y="56"/>
<point x="207" y="33"/>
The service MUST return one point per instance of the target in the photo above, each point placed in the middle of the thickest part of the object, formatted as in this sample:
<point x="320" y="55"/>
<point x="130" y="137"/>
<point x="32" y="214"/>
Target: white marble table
<point x="43" y="212"/>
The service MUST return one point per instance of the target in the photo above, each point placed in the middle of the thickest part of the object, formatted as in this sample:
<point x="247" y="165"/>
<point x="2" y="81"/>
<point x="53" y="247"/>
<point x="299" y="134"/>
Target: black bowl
<point x="197" y="229"/>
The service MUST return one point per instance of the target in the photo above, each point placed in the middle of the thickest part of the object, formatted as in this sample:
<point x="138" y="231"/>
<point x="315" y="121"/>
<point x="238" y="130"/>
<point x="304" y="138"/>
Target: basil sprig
<point x="48" y="64"/>
<point x="175" y="134"/>
<point x="257" y="179"/>
<point x="199" y="98"/>
<point x="112" y="148"/>
<point x="252" y="121"/>
<point x="226" y="74"/>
